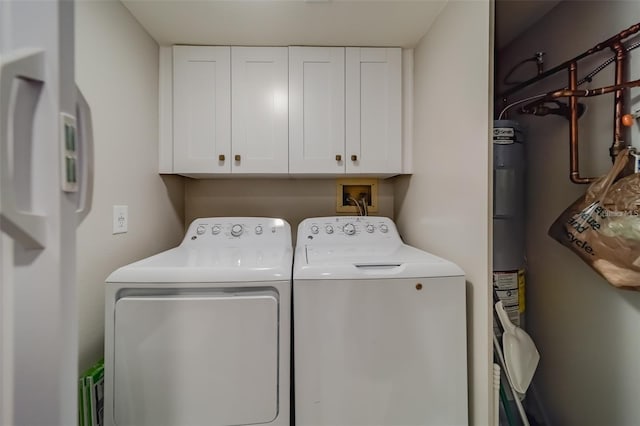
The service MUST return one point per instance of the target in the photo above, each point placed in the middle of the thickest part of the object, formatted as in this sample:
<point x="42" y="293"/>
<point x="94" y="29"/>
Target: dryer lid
<point x="210" y="264"/>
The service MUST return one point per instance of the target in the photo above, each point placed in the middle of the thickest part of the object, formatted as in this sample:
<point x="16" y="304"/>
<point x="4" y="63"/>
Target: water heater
<point x="508" y="217"/>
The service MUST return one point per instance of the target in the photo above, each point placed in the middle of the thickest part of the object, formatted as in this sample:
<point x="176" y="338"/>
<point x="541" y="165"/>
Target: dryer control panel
<point x="353" y="229"/>
<point x="241" y="230"/>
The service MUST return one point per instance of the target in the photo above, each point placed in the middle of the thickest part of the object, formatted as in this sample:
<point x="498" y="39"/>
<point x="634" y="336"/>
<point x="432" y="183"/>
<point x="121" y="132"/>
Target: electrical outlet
<point x="120" y="219"/>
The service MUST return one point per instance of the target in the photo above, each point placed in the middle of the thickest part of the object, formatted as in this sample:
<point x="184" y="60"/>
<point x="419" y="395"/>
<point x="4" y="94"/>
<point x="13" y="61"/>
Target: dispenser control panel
<point x="243" y="230"/>
<point x="357" y="229"/>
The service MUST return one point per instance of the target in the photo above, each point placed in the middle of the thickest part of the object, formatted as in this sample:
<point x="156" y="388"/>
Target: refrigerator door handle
<point x="85" y="133"/>
<point x="17" y="114"/>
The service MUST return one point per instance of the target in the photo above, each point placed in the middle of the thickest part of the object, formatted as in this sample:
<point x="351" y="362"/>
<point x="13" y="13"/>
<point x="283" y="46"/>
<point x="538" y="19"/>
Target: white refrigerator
<point x="45" y="191"/>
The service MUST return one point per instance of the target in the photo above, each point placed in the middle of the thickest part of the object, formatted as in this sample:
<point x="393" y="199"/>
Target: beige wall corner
<point x="117" y="70"/>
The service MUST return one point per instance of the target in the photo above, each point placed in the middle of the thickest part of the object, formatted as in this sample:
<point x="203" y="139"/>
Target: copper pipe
<point x="615" y="43"/>
<point x="616" y="39"/>
<point x="573" y="129"/>
<point x="573" y="126"/>
<point x="587" y="93"/>
<point x="618" y="144"/>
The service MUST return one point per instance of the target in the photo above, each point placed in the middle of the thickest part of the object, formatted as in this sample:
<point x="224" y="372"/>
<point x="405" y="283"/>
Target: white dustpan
<point x="520" y="353"/>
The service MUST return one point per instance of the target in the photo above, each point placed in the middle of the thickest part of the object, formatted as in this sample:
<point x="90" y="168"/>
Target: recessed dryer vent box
<point x="348" y="190"/>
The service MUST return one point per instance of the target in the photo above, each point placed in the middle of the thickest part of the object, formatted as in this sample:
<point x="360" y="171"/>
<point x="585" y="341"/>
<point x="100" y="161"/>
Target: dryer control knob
<point x="370" y="228"/>
<point x="215" y="230"/>
<point x="200" y="230"/>
<point x="314" y="229"/>
<point x="384" y="228"/>
<point x="349" y="229"/>
<point x="258" y="230"/>
<point x="236" y="230"/>
<point x="329" y="229"/>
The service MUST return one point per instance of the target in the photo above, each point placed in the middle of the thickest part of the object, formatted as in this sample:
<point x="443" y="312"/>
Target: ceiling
<point x="314" y="22"/>
<point x="287" y="22"/>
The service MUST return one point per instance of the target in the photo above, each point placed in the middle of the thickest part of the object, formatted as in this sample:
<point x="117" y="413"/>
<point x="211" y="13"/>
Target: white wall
<point x="117" y="70"/>
<point x="444" y="206"/>
<point x="586" y="330"/>
<point x="289" y="199"/>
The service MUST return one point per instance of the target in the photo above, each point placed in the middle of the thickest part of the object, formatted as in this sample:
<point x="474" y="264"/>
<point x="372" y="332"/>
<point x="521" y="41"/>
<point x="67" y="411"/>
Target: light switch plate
<point x="120" y="219"/>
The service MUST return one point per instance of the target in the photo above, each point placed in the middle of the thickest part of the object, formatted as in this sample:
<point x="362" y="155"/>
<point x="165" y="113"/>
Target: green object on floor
<point x="91" y="396"/>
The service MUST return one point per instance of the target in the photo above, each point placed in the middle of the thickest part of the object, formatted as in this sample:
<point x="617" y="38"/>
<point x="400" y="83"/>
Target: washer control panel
<point x="242" y="230"/>
<point x="356" y="229"/>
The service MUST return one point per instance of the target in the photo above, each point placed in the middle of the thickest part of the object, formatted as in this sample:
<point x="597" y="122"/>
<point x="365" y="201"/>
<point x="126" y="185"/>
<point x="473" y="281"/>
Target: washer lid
<point x="359" y="261"/>
<point x="210" y="264"/>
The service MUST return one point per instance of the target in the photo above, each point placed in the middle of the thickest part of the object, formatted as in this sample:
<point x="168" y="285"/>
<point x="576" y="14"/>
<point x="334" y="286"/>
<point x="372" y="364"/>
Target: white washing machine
<point x="379" y="328"/>
<point x="200" y="334"/>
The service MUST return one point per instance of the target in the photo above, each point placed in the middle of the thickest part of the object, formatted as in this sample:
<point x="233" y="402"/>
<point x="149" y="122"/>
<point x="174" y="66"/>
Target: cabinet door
<point x="201" y="109"/>
<point x="373" y="110"/>
<point x="316" y="110"/>
<point x="259" y="102"/>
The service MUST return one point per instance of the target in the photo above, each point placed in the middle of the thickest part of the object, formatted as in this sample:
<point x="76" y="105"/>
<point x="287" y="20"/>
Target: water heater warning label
<point x="504" y="135"/>
<point x="509" y="286"/>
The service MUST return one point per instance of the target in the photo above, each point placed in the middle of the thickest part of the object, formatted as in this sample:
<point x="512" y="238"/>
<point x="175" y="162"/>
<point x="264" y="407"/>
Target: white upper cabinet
<point x="259" y="110"/>
<point x="284" y="111"/>
<point x="345" y="112"/>
<point x="373" y="110"/>
<point x="201" y="109"/>
<point x="316" y="110"/>
<point x="230" y="110"/>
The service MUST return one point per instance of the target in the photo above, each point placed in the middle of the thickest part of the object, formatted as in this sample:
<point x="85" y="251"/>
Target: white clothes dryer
<point x="199" y="335"/>
<point x="379" y="328"/>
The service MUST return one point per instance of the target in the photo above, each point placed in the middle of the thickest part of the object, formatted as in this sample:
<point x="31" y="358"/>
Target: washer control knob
<point x="329" y="229"/>
<point x="236" y="230"/>
<point x="370" y="228"/>
<point x="349" y="229"/>
<point x="314" y="229"/>
<point x="384" y="229"/>
<point x="200" y="230"/>
<point x="258" y="230"/>
<point x="215" y="230"/>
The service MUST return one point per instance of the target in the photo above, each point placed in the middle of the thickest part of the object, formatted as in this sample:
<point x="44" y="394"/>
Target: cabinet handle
<point x="237" y="157"/>
<point x="221" y="157"/>
<point x="354" y="158"/>
<point x="338" y="157"/>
